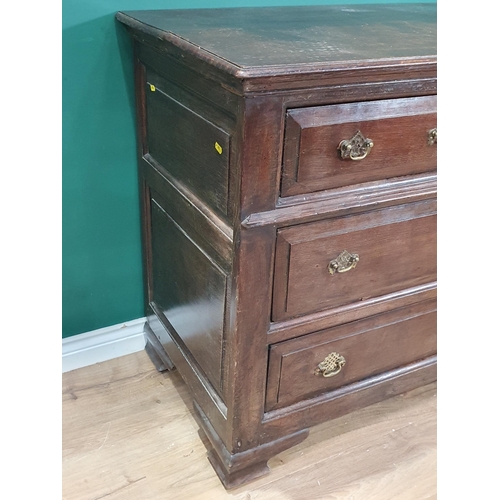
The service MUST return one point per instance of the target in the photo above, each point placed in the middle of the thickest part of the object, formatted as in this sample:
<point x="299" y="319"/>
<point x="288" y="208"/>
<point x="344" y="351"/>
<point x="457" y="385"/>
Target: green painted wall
<point x="102" y="271"/>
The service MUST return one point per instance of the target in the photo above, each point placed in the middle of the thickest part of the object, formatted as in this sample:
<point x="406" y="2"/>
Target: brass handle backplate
<point x="356" y="148"/>
<point x="432" y="136"/>
<point x="331" y="365"/>
<point x="343" y="263"/>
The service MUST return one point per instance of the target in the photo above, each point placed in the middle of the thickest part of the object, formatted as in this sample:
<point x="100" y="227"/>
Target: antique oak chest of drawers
<point x="287" y="164"/>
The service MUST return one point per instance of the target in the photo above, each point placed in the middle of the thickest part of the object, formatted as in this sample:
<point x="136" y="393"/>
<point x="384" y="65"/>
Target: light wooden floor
<point x="128" y="433"/>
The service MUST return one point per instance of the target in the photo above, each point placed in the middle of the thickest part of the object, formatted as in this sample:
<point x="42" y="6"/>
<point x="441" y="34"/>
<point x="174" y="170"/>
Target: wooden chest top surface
<point x="280" y="36"/>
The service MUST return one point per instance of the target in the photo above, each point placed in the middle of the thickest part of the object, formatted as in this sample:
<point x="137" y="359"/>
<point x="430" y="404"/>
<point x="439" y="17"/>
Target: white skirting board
<point x="100" y="345"/>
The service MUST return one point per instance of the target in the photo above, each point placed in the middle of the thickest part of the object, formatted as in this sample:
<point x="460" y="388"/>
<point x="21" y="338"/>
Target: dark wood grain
<point x="200" y="387"/>
<point x="341" y="67"/>
<point x="301" y="325"/>
<point x="252" y="37"/>
<point x="235" y="469"/>
<point x="247" y="335"/>
<point x="342" y="201"/>
<point x="344" y="400"/>
<point x="370" y="346"/>
<point x="205" y="227"/>
<point x="260" y="172"/>
<point x="237" y="236"/>
<point x="144" y="194"/>
<point x="396" y="248"/>
<point x="204" y="86"/>
<point x="156" y="352"/>
<point x="193" y="149"/>
<point x="398" y="128"/>
<point x="190" y="290"/>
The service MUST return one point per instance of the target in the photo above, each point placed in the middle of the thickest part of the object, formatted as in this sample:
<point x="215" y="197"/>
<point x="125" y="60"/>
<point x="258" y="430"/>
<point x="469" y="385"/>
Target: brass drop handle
<point x="356" y="148"/>
<point x="432" y="136"/>
<point x="331" y="365"/>
<point x="343" y="263"/>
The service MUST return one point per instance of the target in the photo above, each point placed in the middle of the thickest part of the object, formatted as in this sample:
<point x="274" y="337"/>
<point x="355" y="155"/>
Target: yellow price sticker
<point x="218" y="148"/>
<point x="152" y="87"/>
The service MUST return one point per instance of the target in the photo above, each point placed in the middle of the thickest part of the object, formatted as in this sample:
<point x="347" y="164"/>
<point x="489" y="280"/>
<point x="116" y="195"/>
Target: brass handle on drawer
<point x="343" y="263"/>
<point x="356" y="148"/>
<point x="331" y="365"/>
<point x="432" y="136"/>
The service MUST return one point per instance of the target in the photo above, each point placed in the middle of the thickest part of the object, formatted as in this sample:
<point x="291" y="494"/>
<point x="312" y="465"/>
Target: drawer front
<point x="369" y="347"/>
<point x="395" y="247"/>
<point x="398" y="128"/>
